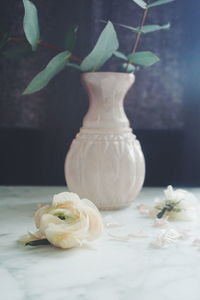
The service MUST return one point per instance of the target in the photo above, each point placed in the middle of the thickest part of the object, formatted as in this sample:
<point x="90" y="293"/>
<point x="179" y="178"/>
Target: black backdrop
<point x="163" y="106"/>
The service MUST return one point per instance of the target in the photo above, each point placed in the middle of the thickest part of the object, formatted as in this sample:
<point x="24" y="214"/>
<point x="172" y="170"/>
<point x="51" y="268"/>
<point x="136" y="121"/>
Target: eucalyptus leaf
<point x="56" y="65"/>
<point x="18" y="52"/>
<point x="146" y="28"/>
<point x="70" y="39"/>
<point x="143" y="58"/>
<point x="120" y="55"/>
<point x="127" y="68"/>
<point x="151" y="28"/>
<point x="134" y="29"/>
<point x="159" y="2"/>
<point x="30" y="24"/>
<point x="141" y="3"/>
<point x="106" y="45"/>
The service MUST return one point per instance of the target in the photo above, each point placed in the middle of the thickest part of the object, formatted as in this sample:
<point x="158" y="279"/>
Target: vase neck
<point x="106" y="95"/>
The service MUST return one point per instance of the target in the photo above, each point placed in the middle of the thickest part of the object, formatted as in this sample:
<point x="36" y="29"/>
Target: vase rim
<point x="109" y="73"/>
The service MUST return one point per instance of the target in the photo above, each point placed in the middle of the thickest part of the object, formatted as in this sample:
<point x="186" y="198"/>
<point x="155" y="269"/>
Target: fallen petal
<point x="166" y="238"/>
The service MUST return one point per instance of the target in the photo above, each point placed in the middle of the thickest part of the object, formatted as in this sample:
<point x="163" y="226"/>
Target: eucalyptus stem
<point x="138" y="36"/>
<point x="16" y="39"/>
<point x="58" y="50"/>
<point x="45" y="45"/>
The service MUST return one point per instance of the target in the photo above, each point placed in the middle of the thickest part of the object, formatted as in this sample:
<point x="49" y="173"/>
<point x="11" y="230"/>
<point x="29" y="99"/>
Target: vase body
<point x="105" y="163"/>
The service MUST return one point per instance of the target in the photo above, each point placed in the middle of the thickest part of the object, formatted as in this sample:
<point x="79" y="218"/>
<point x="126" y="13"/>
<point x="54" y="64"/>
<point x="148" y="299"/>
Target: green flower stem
<point x="38" y="243"/>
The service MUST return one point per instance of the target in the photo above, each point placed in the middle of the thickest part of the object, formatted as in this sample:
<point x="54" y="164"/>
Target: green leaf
<point x="159" y="2"/>
<point x="134" y="29"/>
<point x="151" y="28"/>
<point x="127" y="68"/>
<point x="70" y="39"/>
<point x="143" y="58"/>
<point x="30" y="23"/>
<point x="106" y="45"/>
<point x="120" y="55"/>
<point x="141" y="3"/>
<point x="56" y="65"/>
<point x="146" y="28"/>
<point x="19" y="51"/>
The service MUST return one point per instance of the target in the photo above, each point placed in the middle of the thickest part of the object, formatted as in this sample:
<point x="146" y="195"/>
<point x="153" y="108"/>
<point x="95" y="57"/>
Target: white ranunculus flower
<point x="69" y="221"/>
<point x="176" y="204"/>
<point x="184" y="204"/>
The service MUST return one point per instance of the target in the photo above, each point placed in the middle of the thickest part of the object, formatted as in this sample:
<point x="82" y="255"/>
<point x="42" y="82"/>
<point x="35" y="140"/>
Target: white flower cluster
<point x="73" y="222"/>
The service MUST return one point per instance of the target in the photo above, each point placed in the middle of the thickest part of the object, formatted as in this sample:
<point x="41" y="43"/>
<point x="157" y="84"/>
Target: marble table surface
<point x="114" y="270"/>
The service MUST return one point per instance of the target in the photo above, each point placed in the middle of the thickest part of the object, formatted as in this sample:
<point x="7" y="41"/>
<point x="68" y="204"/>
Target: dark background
<point x="163" y="106"/>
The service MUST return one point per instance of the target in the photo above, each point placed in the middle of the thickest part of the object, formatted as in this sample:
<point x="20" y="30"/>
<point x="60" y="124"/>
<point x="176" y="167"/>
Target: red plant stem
<point x="45" y="45"/>
<point x="75" y="58"/>
<point x="40" y="43"/>
<point x="138" y="36"/>
<point x="58" y="50"/>
<point x="140" y="33"/>
<point x="16" y="39"/>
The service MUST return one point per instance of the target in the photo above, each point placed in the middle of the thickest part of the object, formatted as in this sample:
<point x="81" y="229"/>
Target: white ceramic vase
<point x="105" y="163"/>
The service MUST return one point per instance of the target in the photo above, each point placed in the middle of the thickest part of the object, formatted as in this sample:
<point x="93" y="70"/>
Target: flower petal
<point x="60" y="237"/>
<point x="38" y="214"/>
<point x="65" y="198"/>
<point x="47" y="219"/>
<point x="95" y="222"/>
<point x="30" y="237"/>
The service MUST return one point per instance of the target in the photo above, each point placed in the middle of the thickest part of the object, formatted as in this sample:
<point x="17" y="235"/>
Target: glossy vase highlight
<point x="105" y="163"/>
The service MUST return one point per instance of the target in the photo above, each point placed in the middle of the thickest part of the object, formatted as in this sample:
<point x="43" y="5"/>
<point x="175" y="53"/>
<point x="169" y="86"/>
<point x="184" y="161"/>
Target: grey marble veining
<point x="114" y="270"/>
